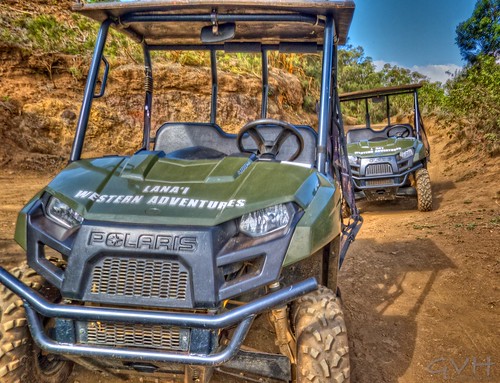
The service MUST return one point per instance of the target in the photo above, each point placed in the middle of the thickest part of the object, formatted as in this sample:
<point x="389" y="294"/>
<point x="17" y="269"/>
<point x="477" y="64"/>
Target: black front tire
<point x="322" y="346"/>
<point x="21" y="361"/>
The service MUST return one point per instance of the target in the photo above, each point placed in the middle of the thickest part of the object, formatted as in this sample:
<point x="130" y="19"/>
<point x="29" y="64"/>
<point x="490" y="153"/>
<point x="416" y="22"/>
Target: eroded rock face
<point x="39" y="113"/>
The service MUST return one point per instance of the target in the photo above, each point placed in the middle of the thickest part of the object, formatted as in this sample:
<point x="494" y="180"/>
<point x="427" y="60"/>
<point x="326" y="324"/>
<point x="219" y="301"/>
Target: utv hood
<point x="150" y="188"/>
<point x="388" y="147"/>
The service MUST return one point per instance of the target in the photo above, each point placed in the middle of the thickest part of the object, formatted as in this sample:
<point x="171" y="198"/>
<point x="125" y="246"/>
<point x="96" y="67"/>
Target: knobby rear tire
<point x="21" y="361"/>
<point x="424" y="190"/>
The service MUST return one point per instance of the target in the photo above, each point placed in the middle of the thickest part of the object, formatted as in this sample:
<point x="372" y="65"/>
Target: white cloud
<point x="379" y="64"/>
<point x="436" y="72"/>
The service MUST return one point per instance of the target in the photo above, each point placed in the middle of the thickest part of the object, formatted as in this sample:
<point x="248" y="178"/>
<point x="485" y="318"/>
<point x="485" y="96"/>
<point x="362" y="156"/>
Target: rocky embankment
<point x="39" y="105"/>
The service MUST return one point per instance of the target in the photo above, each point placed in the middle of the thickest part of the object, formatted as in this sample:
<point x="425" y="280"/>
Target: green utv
<point x="389" y="162"/>
<point x="156" y="264"/>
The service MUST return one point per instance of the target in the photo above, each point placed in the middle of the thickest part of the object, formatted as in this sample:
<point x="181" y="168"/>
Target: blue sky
<point x="415" y="34"/>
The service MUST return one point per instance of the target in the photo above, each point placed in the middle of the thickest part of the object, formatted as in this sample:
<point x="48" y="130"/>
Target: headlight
<point x="268" y="220"/>
<point x="407" y="153"/>
<point x="62" y="214"/>
<point x="353" y="159"/>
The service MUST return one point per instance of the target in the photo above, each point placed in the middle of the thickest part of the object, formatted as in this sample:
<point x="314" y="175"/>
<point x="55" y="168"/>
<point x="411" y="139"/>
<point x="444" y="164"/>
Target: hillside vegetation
<point x="45" y="51"/>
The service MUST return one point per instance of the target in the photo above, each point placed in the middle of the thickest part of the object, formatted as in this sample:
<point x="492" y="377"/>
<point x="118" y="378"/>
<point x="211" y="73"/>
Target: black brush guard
<point x="37" y="307"/>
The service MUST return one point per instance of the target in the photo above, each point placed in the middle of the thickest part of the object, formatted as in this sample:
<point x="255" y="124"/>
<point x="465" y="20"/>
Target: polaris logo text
<point x="158" y="242"/>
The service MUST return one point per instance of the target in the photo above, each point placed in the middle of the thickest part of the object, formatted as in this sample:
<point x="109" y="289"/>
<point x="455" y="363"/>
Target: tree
<point x="356" y="71"/>
<point x="480" y="34"/>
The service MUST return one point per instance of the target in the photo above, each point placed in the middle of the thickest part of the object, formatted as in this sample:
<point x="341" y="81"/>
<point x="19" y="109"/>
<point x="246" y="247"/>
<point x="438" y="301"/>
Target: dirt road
<point x="421" y="290"/>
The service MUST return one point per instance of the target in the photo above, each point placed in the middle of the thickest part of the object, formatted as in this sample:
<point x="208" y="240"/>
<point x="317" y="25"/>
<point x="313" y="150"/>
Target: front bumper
<point x="394" y="180"/>
<point x="37" y="307"/>
<point x="380" y="178"/>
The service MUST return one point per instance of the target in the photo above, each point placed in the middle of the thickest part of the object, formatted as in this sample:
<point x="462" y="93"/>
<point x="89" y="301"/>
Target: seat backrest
<point x="368" y="134"/>
<point x="357" y="135"/>
<point x="179" y="135"/>
<point x="174" y="136"/>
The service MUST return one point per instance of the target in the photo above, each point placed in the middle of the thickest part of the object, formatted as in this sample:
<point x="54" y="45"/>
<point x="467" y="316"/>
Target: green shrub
<point x="474" y="97"/>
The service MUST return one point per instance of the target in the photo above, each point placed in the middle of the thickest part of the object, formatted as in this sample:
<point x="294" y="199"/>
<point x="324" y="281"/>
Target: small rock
<point x="68" y="115"/>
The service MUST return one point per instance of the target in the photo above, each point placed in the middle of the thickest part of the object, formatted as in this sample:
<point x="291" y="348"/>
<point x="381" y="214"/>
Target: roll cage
<point x="297" y="27"/>
<point x="385" y="93"/>
<point x="260" y="26"/>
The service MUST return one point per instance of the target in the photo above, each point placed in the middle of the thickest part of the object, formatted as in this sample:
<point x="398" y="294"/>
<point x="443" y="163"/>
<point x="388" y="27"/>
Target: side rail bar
<point x="104" y="78"/>
<point x="84" y="313"/>
<point x="145" y="17"/>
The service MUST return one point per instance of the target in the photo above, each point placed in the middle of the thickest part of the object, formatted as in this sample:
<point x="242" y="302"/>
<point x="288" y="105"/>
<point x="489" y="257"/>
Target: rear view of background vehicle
<point x="389" y="161"/>
<point x="157" y="263"/>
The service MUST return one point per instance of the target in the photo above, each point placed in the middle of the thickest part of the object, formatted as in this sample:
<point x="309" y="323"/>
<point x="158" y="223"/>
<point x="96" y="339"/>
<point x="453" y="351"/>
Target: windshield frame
<point x="326" y="103"/>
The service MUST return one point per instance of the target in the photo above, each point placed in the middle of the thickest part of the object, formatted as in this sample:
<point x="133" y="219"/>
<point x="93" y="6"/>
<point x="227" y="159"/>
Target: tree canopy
<point x="480" y="34"/>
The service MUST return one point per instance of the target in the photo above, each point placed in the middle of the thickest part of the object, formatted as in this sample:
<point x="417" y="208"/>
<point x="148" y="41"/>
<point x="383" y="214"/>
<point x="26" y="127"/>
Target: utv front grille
<point x="380" y="182"/>
<point x="135" y="335"/>
<point x="140" y="278"/>
<point x="378" y="169"/>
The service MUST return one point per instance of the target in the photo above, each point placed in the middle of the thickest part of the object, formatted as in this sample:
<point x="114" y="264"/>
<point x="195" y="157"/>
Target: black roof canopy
<point x="179" y="22"/>
<point x="380" y="92"/>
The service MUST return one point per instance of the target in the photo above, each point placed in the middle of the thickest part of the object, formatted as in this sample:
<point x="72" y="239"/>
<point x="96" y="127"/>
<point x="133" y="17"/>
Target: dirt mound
<point x="26" y="139"/>
<point x="38" y="112"/>
<point x="41" y="90"/>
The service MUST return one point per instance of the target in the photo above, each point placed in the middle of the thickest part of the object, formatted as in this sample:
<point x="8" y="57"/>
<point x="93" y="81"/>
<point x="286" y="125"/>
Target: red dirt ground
<point x="420" y="290"/>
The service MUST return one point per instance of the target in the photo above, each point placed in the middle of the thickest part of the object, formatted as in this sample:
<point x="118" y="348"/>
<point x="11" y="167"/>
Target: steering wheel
<point x="401" y="134"/>
<point x="270" y="148"/>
